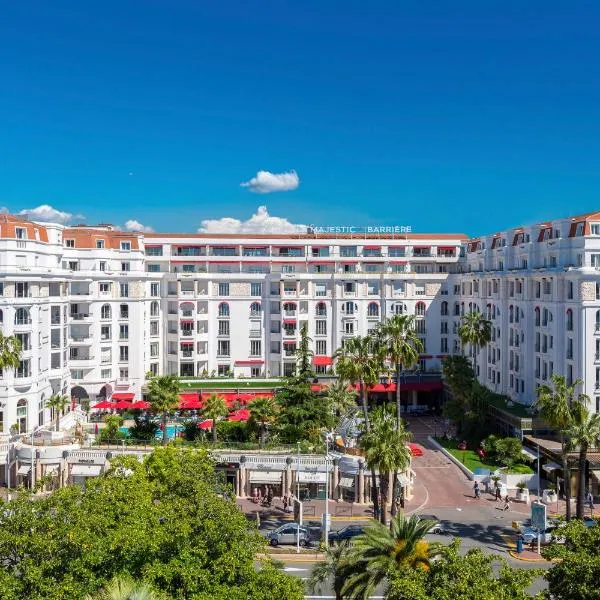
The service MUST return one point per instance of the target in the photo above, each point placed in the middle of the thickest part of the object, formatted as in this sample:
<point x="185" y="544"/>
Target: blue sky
<point x="448" y="116"/>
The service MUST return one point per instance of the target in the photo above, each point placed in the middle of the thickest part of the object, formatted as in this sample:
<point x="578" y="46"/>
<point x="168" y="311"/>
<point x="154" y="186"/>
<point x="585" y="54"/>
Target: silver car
<point x="287" y="534"/>
<point x="437" y="527"/>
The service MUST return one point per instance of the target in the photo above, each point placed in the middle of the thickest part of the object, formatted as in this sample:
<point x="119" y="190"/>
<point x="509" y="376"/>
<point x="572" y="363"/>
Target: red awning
<point x="104" y="404"/>
<point x="206" y="424"/>
<point x="322" y="360"/>
<point x="127" y="396"/>
<point x="188" y="397"/>
<point x="241" y="363"/>
<point x="240" y="415"/>
<point x="371" y="247"/>
<point x="140" y="405"/>
<point x="187" y="344"/>
<point x="289" y="321"/>
<point x="289" y="342"/>
<point x="190" y="405"/>
<point x="421" y="247"/>
<point x="186" y="321"/>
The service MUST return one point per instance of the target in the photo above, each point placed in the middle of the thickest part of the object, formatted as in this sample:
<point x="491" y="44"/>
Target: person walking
<point x="498" y="492"/>
<point x="590" y="502"/>
<point x="506" y="503"/>
<point x="285" y="504"/>
<point x="476" y="490"/>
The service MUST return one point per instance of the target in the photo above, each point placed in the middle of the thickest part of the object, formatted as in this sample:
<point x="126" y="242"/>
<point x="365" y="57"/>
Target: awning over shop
<point x="551" y="466"/>
<point x="530" y="454"/>
<point x="265" y="476"/>
<point x="595" y="475"/>
<point x="24" y="469"/>
<point x="127" y="396"/>
<point x="403" y="480"/>
<point x="346" y="482"/>
<point x="86" y="470"/>
<point x="311" y="477"/>
<point x="51" y="469"/>
<point x="322" y="360"/>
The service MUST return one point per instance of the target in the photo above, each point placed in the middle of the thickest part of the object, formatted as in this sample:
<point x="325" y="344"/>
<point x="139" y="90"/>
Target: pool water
<point x="172" y="430"/>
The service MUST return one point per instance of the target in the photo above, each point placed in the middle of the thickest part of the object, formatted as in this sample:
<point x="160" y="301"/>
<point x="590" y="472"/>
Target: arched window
<point x="41" y="410"/>
<point x="255" y="309"/>
<point x="444" y="309"/>
<point x="223" y="309"/>
<point x="373" y="309"/>
<point x="511" y="314"/>
<point x="420" y="309"/>
<point x="22" y="415"/>
<point x="105" y="311"/>
<point x="536" y="312"/>
<point x="321" y="309"/>
<point x="22" y="316"/>
<point x="154" y="309"/>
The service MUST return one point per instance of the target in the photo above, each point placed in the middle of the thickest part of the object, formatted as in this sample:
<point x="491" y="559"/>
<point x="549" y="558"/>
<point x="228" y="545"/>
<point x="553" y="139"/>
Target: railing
<point x="187" y="333"/>
<point x="80" y="316"/>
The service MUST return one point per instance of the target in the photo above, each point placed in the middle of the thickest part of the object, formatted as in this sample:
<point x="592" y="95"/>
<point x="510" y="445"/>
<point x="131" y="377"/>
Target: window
<point x="398" y="288"/>
<point x="124" y="290"/>
<point x="125" y="267"/>
<point x="22" y="317"/>
<point x="105" y="312"/>
<point x="156" y="268"/>
<point x="321" y="327"/>
<point x="153" y="328"/>
<point x="321" y="347"/>
<point x="348" y="251"/>
<point x="349" y="287"/>
<point x="256" y="289"/>
<point x="255" y="309"/>
<point x="419" y="289"/>
<point x="569" y="348"/>
<point x="373" y="309"/>
<point x="223" y="327"/>
<point x="123" y="353"/>
<point x="126" y="246"/>
<point x="102" y="265"/>
<point x="223" y="348"/>
<point x="349" y="328"/>
<point x="104" y="288"/>
<point x="420" y="326"/>
<point x="444" y="309"/>
<point x="154" y="309"/>
<point x="569" y="320"/>
<point x="155" y="289"/>
<point x="255" y="348"/>
<point x="223" y="309"/>
<point x="105" y="333"/>
<point x="22" y="289"/>
<point x="123" y="332"/>
<point x="105" y="373"/>
<point x="349" y="308"/>
<point x="124" y="311"/>
<point x="99" y="244"/>
<point x="320" y="289"/>
<point x="420" y="309"/>
<point x="398" y="308"/>
<point x="223" y="289"/>
<point x="154" y="251"/>
<point x="68" y="243"/>
<point x="569" y="290"/>
<point x="444" y="345"/>
<point x="321" y="309"/>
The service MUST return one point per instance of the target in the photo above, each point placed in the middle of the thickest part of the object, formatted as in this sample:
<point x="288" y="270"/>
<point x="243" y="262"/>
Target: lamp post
<point x="326" y="524"/>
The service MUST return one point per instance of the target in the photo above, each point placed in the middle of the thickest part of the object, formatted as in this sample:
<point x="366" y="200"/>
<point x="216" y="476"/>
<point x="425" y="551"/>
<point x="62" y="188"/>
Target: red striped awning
<point x="289" y="342"/>
<point x="289" y="321"/>
<point x="186" y="321"/>
<point x="127" y="396"/>
<point x="322" y="360"/>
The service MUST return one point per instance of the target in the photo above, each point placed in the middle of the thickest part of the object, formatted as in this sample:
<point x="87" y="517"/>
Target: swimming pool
<point x="172" y="431"/>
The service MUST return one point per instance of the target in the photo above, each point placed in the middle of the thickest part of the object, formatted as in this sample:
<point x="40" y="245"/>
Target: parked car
<point x="437" y="527"/>
<point x="287" y="534"/>
<point x="346" y="533"/>
<point x="550" y="534"/>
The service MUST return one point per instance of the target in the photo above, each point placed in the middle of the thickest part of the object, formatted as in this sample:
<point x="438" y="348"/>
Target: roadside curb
<point x="517" y="556"/>
<point x="306" y="558"/>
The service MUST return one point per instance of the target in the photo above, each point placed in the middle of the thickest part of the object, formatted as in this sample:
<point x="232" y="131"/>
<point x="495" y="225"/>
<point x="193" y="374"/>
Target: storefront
<point x="85" y="464"/>
<point x="263" y="481"/>
<point x="311" y="485"/>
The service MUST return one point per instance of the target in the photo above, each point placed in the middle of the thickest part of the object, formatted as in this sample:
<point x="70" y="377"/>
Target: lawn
<point x="471" y="460"/>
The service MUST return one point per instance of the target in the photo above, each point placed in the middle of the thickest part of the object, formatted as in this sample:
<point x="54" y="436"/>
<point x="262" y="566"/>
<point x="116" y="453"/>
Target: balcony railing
<point x="187" y="333"/>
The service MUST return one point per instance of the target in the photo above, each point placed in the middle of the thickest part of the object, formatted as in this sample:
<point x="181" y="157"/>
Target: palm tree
<point x="555" y="403"/>
<point x="58" y="403"/>
<point x="583" y="433"/>
<point x="215" y="408"/>
<point x="125" y="588"/>
<point x="263" y="410"/>
<point x="163" y="395"/>
<point x="402" y="347"/>
<point x="380" y="552"/>
<point x="476" y="331"/>
<point x="384" y="447"/>
<point x="341" y="398"/>
<point x="359" y="362"/>
<point x="330" y="569"/>
<point x="10" y="352"/>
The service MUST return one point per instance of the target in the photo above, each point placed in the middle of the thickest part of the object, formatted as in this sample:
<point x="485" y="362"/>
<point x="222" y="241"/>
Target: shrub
<point x="144" y="428"/>
<point x="508" y="451"/>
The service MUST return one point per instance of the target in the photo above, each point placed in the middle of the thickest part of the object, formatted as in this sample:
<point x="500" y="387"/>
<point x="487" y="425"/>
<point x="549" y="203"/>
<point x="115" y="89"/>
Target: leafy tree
<point x="58" y="403"/>
<point x="163" y="394"/>
<point x="384" y="447"/>
<point x="458" y="376"/>
<point x="476" y="331"/>
<point x="380" y="552"/>
<point x="341" y="399"/>
<point x="583" y="433"/>
<point x="453" y="576"/>
<point x="330" y="570"/>
<point x="10" y="352"/>
<point x="111" y="431"/>
<point x="144" y="427"/>
<point x="304" y="355"/>
<point x="555" y="403"/>
<point x="508" y="451"/>
<point x="215" y="408"/>
<point x="263" y="410"/>
<point x="125" y="588"/>
<point x="402" y="346"/>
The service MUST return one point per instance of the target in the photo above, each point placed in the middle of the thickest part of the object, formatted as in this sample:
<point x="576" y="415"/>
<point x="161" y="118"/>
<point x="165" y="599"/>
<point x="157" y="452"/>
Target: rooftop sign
<point x="359" y="230"/>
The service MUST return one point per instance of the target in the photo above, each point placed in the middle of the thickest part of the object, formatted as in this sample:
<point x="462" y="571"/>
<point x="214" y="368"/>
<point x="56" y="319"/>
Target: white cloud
<point x="133" y="225"/>
<point x="48" y="214"/>
<point x="3" y="210"/>
<point x="260" y="222"/>
<point x="266" y="182"/>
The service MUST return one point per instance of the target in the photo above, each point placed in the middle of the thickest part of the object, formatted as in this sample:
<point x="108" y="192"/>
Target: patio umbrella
<point x="205" y="425"/>
<point x="123" y="405"/>
<point x="104" y="404"/>
<point x="140" y="405"/>
<point x="239" y="415"/>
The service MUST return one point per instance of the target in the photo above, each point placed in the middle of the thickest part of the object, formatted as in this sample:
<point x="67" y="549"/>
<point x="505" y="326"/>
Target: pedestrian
<point x="498" y="492"/>
<point x="506" y="503"/>
<point x="285" y="504"/>
<point x="476" y="490"/>
<point x="590" y="502"/>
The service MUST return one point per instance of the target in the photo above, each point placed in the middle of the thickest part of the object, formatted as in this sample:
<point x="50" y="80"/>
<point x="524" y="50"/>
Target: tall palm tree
<point x="58" y="403"/>
<point x="402" y="347"/>
<point x="163" y="395"/>
<point x="125" y="588"/>
<point x="582" y="434"/>
<point x="380" y="552"/>
<point x="358" y="361"/>
<point x="263" y="410"/>
<point x="330" y="569"/>
<point x="215" y="408"/>
<point x="476" y="331"/>
<point x="10" y="352"/>
<point x="555" y="403"/>
<point x="341" y="398"/>
<point x="384" y="447"/>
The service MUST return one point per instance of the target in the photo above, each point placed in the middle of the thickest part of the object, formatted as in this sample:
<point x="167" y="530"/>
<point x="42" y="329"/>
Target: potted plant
<point x="549" y="495"/>
<point x="522" y="492"/>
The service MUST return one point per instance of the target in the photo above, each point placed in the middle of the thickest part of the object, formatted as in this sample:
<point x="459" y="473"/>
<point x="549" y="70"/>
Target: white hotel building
<point x="97" y="308"/>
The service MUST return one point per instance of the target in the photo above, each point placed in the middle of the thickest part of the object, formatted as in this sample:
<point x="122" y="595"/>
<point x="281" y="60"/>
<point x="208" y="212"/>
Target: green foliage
<point x="462" y="577"/>
<point x="163" y="394"/>
<point x="235" y="431"/>
<point x="160" y="522"/>
<point x="215" y="408"/>
<point x="263" y="411"/>
<point x="58" y="403"/>
<point x="508" y="451"/>
<point x="458" y="376"/>
<point x="330" y="571"/>
<point x="144" y="427"/>
<point x="304" y="355"/>
<point x="342" y="400"/>
<point x="476" y="331"/>
<point x="125" y="588"/>
<point x="191" y="431"/>
<point x="111" y="432"/>
<point x="10" y="351"/>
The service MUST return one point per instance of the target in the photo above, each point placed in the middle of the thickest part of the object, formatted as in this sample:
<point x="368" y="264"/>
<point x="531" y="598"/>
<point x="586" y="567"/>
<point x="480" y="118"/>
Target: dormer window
<point x="99" y="244"/>
<point x="126" y="246"/>
<point x="69" y="243"/>
<point x="20" y="233"/>
<point x="579" y="229"/>
<point x="595" y="228"/>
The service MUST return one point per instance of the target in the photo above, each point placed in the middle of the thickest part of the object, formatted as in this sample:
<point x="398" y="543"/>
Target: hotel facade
<point x="96" y="308"/>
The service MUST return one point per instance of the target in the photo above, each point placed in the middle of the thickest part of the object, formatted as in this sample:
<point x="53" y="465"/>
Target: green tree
<point x="380" y="552"/>
<point x="555" y="403"/>
<point x="476" y="331"/>
<point x="341" y="398"/>
<point x="582" y="434"/>
<point x="456" y="576"/>
<point x="384" y="448"/>
<point x="215" y="408"/>
<point x="402" y="347"/>
<point x="58" y="403"/>
<point x="330" y="571"/>
<point x="263" y="410"/>
<point x="144" y="427"/>
<point x="111" y="432"/>
<point x="458" y="375"/>
<point x="508" y="451"/>
<point x="304" y="354"/>
<point x="125" y="588"/>
<point x="10" y="352"/>
<point x="163" y="395"/>
<point x="359" y="361"/>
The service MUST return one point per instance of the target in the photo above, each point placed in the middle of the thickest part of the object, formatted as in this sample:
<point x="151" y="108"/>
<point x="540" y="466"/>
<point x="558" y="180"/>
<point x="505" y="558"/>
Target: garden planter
<point x="522" y="495"/>
<point x="549" y="496"/>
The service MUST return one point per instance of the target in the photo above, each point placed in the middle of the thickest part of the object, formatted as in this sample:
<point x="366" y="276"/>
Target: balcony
<point x="81" y="361"/>
<point x="255" y="313"/>
<point x="80" y="316"/>
<point x="187" y="313"/>
<point x="187" y="353"/>
<point x="81" y="340"/>
<point x="255" y="333"/>
<point x="187" y="333"/>
<point x="289" y="333"/>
